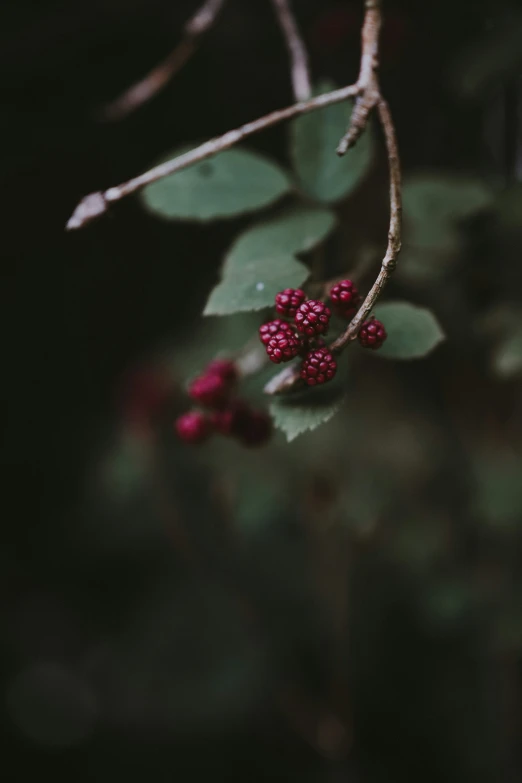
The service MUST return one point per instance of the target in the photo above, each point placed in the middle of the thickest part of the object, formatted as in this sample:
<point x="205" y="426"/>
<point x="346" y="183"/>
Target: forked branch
<point x="96" y="204"/>
<point x="289" y="378"/>
<point x="367" y="82"/>
<point x="368" y="93"/>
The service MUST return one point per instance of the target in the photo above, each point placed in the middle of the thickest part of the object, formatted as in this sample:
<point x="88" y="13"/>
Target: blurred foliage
<point x="313" y="137"/>
<point x="343" y="608"/>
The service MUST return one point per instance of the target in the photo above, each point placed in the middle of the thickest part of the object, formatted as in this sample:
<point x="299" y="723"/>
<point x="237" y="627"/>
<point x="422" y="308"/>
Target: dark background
<point x="80" y="310"/>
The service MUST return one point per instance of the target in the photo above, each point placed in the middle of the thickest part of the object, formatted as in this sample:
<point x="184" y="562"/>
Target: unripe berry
<point x="270" y="329"/>
<point x="225" y="368"/>
<point x="312" y="318"/>
<point x="318" y="367"/>
<point x="345" y="298"/>
<point x="372" y="334"/>
<point x="288" y="301"/>
<point x="193" y="427"/>
<point x="283" y="347"/>
<point x="211" y="390"/>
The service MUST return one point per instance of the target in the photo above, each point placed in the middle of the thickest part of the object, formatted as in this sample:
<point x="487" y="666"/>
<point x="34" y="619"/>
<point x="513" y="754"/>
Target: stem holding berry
<point x="290" y="377"/>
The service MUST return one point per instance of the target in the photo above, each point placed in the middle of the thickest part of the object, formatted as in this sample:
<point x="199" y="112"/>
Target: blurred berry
<point x="193" y="427"/>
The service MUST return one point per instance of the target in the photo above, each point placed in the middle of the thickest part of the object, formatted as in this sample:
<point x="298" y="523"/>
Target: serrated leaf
<point x="413" y="331"/>
<point x="232" y="183"/>
<point x="507" y="360"/>
<point x="296" y="230"/>
<point x="254" y="285"/>
<point x="261" y="262"/>
<point x="306" y="412"/>
<point x="314" y="139"/>
<point x="434" y="203"/>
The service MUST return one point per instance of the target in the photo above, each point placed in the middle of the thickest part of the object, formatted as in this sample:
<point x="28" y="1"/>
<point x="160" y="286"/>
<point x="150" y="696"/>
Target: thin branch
<point x="394" y="232"/>
<point x="159" y="77"/>
<point x="289" y="379"/>
<point x="298" y="55"/>
<point x="96" y="204"/>
<point x="367" y="81"/>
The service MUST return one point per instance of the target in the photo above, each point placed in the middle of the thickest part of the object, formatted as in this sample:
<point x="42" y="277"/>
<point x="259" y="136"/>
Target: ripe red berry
<point x="211" y="390"/>
<point x="345" y="298"/>
<point x="372" y="334"/>
<point x="283" y="347"/>
<point x="312" y="318"/>
<point x="225" y="368"/>
<point x="270" y="329"/>
<point x="193" y="427"/>
<point x="318" y="367"/>
<point x="288" y="301"/>
<point x="256" y="429"/>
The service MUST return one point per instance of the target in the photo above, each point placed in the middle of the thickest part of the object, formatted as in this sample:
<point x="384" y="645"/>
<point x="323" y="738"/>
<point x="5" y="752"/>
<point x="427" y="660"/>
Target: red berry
<point x="252" y="428"/>
<point x="288" y="301"/>
<point x="256" y="429"/>
<point x="225" y="368"/>
<point x="345" y="298"/>
<point x="193" y="427"/>
<point x="372" y="334"/>
<point x="318" y="367"/>
<point x="229" y="421"/>
<point x="269" y="330"/>
<point x="312" y="318"/>
<point x="211" y="390"/>
<point x="283" y="347"/>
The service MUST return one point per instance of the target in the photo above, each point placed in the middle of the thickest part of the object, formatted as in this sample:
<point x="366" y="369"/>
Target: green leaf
<point x="296" y="230"/>
<point x="297" y="414"/>
<point x="262" y="260"/>
<point x="254" y="285"/>
<point x="412" y="331"/>
<point x="232" y="183"/>
<point x="314" y="139"/>
<point x="426" y="266"/>
<point x="507" y="360"/>
<point x="498" y="489"/>
<point x="434" y="203"/>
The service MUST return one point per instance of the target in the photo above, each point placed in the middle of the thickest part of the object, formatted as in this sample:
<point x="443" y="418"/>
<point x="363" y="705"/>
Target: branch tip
<point x="90" y="208"/>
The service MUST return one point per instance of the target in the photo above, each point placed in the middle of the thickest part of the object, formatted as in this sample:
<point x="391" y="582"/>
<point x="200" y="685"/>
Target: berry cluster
<point x="226" y="414"/>
<point x="284" y="341"/>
